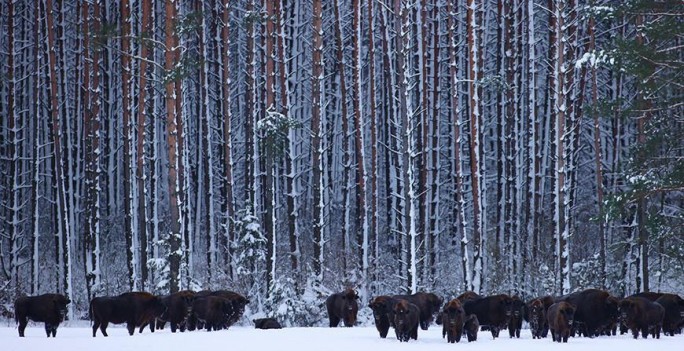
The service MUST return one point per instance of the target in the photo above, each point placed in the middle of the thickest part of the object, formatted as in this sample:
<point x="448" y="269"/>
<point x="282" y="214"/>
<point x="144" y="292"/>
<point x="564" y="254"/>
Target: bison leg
<point x="131" y="328"/>
<point x="424" y="324"/>
<point x="414" y="333"/>
<point x="334" y="321"/>
<point x="48" y="329"/>
<point x="644" y="332"/>
<point x="103" y="328"/>
<point x="173" y="327"/>
<point x="23" y="322"/>
<point x="96" y="325"/>
<point x="566" y="335"/>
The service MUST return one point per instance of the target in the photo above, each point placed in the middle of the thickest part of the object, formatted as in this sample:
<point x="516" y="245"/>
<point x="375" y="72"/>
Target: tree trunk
<point x="172" y="132"/>
<point x="316" y="152"/>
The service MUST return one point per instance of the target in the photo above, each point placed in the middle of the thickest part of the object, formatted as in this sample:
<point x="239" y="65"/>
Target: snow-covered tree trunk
<point x="458" y="212"/>
<point x="362" y="227"/>
<point x="228" y="208"/>
<point x="293" y="157"/>
<point x="373" y="230"/>
<point x="172" y="132"/>
<point x="249" y="111"/>
<point x="345" y="227"/>
<point x="63" y="234"/>
<point x="433" y="230"/>
<point x="146" y="32"/>
<point x="475" y="91"/>
<point x="92" y="133"/>
<point x="316" y="151"/>
<point x="130" y="232"/>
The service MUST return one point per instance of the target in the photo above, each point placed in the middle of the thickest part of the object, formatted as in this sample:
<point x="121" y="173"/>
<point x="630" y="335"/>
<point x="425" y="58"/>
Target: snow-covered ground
<point x="77" y="338"/>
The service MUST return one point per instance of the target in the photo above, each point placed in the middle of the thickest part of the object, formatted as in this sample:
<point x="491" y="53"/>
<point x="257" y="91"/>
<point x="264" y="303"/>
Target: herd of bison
<point x="588" y="313"/>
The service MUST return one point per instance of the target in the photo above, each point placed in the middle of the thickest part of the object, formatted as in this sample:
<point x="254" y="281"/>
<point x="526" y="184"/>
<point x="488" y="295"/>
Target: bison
<point x="536" y="316"/>
<point x="472" y="326"/>
<point x="674" y="313"/>
<point x="238" y="303"/>
<point x="492" y="312"/>
<point x="342" y="306"/>
<point x="517" y="312"/>
<point x="595" y="310"/>
<point x="178" y="308"/>
<point x="48" y="308"/>
<point x="560" y="318"/>
<point x="453" y="319"/>
<point x="383" y="313"/>
<point x="266" y="323"/>
<point x="642" y="315"/>
<point x="211" y="312"/>
<point x="406" y="320"/>
<point x="428" y="304"/>
<point x="652" y="296"/>
<point x="468" y="296"/>
<point x="136" y="309"/>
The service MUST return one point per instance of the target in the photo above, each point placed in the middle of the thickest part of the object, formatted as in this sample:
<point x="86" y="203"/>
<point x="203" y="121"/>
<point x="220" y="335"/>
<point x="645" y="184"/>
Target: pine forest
<point x="288" y="149"/>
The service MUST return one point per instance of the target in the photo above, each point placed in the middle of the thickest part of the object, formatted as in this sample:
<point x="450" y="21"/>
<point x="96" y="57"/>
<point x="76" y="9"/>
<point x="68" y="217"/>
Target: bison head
<point x="401" y="312"/>
<point x="380" y="305"/>
<point x="506" y="304"/>
<point x="60" y="303"/>
<point x="568" y="311"/>
<point x="536" y="309"/>
<point x="453" y="313"/>
<point x="517" y="306"/>
<point x="627" y="308"/>
<point x="350" y="306"/>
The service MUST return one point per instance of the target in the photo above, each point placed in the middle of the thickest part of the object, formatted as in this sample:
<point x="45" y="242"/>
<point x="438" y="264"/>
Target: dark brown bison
<point x="342" y="306"/>
<point x="651" y="296"/>
<point x="136" y="309"/>
<point x="560" y="317"/>
<point x="211" y="313"/>
<point x="468" y="296"/>
<point x="595" y="310"/>
<point x="178" y="308"/>
<point x="266" y="323"/>
<point x="472" y="326"/>
<point x="674" y="313"/>
<point x="536" y="316"/>
<point x="48" y="308"/>
<point x="517" y="312"/>
<point x="493" y="312"/>
<point x="383" y="313"/>
<point x="428" y="304"/>
<point x="238" y="303"/>
<point x="453" y="319"/>
<point x="406" y="320"/>
<point x="642" y="315"/>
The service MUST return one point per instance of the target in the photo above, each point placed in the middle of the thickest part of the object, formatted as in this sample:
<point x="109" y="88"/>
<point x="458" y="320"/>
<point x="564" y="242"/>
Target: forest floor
<point x="79" y="337"/>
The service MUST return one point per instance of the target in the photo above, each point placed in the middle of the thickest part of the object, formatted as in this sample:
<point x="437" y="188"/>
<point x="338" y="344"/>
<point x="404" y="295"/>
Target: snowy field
<point x="79" y="338"/>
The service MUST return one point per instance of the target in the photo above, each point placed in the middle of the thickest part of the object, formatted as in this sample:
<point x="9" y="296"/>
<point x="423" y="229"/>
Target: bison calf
<point x="406" y="320"/>
<point x="48" y="308"/>
<point x="560" y="316"/>
<point x="342" y="306"/>
<point x="472" y="326"/>
<point x="266" y="323"/>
